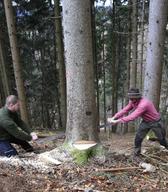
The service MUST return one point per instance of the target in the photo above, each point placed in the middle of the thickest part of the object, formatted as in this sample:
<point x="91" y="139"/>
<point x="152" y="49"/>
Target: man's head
<point x="134" y="94"/>
<point x="12" y="103"/>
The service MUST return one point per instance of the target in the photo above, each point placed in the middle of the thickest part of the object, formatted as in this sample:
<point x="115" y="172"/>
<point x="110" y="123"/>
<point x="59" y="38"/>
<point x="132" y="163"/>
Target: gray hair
<point x="11" y="99"/>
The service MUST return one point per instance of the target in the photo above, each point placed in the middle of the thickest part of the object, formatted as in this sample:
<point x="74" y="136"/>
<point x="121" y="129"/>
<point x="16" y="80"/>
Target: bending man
<point x="151" y="119"/>
<point x="13" y="129"/>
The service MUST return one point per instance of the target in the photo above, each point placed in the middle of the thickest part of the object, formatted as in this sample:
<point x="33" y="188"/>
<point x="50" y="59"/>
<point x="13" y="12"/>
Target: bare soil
<point x="69" y="177"/>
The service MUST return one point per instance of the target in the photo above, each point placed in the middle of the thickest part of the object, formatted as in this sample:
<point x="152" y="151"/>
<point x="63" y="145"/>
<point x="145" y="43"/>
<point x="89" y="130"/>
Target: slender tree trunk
<point x="128" y="61"/>
<point x="81" y="101"/>
<point x="114" y="69"/>
<point x="94" y="37"/>
<point x="60" y="61"/>
<point x="104" y="79"/>
<point x="142" y="47"/>
<point x="158" y="11"/>
<point x="133" y="72"/>
<point x="16" y="59"/>
<point x="3" y="70"/>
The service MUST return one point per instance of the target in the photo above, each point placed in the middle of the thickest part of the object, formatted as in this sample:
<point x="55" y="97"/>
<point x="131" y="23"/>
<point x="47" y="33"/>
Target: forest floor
<point x="69" y="177"/>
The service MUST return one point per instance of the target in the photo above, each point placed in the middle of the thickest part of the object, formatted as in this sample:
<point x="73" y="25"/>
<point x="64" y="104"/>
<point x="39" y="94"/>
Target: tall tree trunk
<point x="81" y="105"/>
<point x="133" y="68"/>
<point x="16" y="59"/>
<point x="94" y="37"/>
<point x="60" y="61"/>
<point x="156" y="37"/>
<point x="128" y="56"/>
<point x="3" y="65"/>
<point x="133" y="64"/>
<point x="142" y="46"/>
<point x="114" y="68"/>
<point x="104" y="78"/>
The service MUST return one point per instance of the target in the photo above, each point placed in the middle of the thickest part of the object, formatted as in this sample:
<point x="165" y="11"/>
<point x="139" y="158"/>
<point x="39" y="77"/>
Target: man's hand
<point x="112" y="120"/>
<point x="34" y="136"/>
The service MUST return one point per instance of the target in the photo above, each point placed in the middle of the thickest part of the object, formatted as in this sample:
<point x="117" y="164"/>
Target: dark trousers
<point x="144" y="127"/>
<point x="6" y="149"/>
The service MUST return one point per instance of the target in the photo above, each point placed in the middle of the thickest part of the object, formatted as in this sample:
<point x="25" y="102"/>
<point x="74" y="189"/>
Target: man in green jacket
<point x="13" y="129"/>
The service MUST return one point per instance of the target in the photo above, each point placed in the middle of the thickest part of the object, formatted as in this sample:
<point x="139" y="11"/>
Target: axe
<point x="105" y="125"/>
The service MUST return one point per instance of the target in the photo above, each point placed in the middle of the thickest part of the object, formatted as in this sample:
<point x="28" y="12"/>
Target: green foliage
<point x="81" y="157"/>
<point x="36" y="41"/>
<point x="110" y="23"/>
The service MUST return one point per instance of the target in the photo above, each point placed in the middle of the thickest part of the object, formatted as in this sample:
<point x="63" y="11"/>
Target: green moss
<point x="81" y="157"/>
<point x="99" y="150"/>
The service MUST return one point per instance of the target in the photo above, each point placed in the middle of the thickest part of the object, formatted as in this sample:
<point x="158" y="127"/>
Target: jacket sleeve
<point x="22" y="125"/>
<point x="12" y="128"/>
<point x="135" y="114"/>
<point x="123" y="111"/>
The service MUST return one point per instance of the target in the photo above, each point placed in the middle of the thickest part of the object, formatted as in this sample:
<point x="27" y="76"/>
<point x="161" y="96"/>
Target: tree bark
<point x="81" y="101"/>
<point x="94" y="37"/>
<point x="114" y="65"/>
<point x="156" y="37"/>
<point x="16" y="59"/>
<point x="3" y="70"/>
<point x="133" y="68"/>
<point x="142" y="47"/>
<point x="60" y="62"/>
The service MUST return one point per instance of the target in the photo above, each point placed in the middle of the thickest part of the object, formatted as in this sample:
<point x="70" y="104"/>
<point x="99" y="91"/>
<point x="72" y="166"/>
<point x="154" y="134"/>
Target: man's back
<point x="142" y="108"/>
<point x="150" y="113"/>
<point x="4" y="119"/>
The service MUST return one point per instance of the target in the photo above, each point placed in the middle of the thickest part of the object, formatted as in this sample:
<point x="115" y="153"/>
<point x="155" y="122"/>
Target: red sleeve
<point x="124" y="111"/>
<point x="137" y="113"/>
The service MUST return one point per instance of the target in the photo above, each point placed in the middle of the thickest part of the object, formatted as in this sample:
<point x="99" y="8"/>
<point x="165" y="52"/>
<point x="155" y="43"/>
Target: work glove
<point x="34" y="136"/>
<point x="112" y="120"/>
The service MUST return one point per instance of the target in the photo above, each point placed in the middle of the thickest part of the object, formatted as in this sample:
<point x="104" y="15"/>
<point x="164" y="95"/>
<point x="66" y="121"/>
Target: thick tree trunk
<point x="81" y="105"/>
<point x="16" y="59"/>
<point x="156" y="37"/>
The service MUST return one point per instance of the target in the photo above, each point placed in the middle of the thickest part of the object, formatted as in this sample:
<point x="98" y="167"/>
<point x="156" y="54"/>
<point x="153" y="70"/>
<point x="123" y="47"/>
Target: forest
<point x="72" y="63"/>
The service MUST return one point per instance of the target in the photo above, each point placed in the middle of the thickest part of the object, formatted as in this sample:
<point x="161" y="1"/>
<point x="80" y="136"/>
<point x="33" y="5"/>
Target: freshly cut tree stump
<point x="84" y="144"/>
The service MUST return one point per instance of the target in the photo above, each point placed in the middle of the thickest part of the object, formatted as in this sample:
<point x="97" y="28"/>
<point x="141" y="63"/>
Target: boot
<point x="137" y="151"/>
<point x="137" y="158"/>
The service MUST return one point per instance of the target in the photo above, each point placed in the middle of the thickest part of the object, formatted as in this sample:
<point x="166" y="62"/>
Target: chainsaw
<point x="47" y="139"/>
<point x="61" y="135"/>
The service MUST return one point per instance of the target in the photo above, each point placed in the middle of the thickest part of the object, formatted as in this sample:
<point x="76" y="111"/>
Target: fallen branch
<point x="158" y="158"/>
<point x="148" y="179"/>
<point x="151" y="158"/>
<point x="159" y="164"/>
<point x="154" y="159"/>
<point x="118" y="169"/>
<point x="4" y="174"/>
<point x="164" y="171"/>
